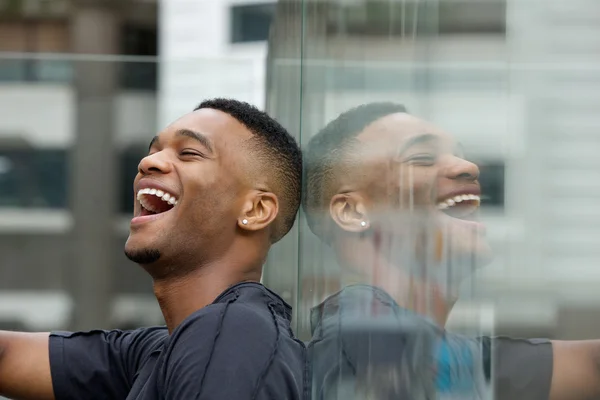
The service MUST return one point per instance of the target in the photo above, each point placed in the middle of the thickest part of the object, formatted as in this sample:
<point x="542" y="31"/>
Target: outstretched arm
<point x="25" y="366"/>
<point x="73" y="365"/>
<point x="576" y="370"/>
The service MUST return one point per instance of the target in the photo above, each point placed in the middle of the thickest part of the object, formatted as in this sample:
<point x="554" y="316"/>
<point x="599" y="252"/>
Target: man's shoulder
<point x="242" y="337"/>
<point x="245" y="328"/>
<point x="257" y="297"/>
<point x="228" y="316"/>
<point x="237" y="319"/>
<point x="151" y="338"/>
<point x="248" y="304"/>
<point x="249" y="323"/>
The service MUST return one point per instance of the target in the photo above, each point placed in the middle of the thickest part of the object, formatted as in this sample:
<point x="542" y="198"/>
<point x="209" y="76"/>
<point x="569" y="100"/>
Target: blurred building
<point x="212" y="48"/>
<point x="80" y="86"/>
<point x="80" y="100"/>
<point x="78" y="81"/>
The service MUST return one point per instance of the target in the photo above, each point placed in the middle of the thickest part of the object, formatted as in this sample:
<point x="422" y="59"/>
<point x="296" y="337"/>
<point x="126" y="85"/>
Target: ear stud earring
<point x="245" y="221"/>
<point x="363" y="224"/>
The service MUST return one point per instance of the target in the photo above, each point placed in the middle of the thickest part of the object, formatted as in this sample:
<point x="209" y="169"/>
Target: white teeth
<point x="169" y="198"/>
<point x="457" y="199"/>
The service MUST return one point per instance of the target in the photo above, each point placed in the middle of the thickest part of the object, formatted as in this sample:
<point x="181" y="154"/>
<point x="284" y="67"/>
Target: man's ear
<point x="259" y="210"/>
<point x="349" y="212"/>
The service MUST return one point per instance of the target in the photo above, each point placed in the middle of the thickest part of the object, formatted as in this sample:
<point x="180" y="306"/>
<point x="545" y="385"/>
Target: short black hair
<point x="325" y="155"/>
<point x="278" y="153"/>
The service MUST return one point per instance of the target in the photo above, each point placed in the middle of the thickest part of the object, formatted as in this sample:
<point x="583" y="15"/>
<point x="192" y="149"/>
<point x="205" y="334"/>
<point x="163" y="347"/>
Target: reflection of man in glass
<point x="395" y="199"/>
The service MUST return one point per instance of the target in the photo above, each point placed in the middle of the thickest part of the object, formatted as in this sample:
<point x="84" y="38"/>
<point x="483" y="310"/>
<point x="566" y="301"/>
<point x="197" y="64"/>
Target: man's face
<point x="419" y="188"/>
<point x="188" y="190"/>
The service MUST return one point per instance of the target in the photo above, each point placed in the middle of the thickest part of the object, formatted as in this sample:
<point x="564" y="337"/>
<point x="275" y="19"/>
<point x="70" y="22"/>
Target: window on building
<point x="409" y="18"/>
<point x="39" y="178"/>
<point x="251" y="22"/>
<point x="472" y="16"/>
<point x="34" y="8"/>
<point x="34" y="36"/>
<point x="33" y="178"/>
<point x="139" y="41"/>
<point x="491" y="179"/>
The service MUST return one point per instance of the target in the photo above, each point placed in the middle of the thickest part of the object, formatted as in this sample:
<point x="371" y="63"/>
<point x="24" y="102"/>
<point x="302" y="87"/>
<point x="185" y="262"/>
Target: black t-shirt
<point x="239" y="347"/>
<point x="518" y="368"/>
<point x="365" y="346"/>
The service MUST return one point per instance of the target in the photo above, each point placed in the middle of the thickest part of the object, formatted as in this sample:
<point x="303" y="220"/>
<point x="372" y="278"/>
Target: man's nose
<point x="461" y="169"/>
<point x="154" y="163"/>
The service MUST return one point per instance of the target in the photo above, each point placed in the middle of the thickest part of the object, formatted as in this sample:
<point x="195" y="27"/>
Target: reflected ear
<point x="349" y="212"/>
<point x="259" y="211"/>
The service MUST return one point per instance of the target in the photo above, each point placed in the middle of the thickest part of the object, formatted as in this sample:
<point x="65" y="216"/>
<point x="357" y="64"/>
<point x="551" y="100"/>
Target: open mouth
<point x="155" y="201"/>
<point x="463" y="206"/>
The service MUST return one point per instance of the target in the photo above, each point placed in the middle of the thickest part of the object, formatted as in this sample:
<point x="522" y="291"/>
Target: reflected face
<point x="188" y="190"/>
<point x="415" y="173"/>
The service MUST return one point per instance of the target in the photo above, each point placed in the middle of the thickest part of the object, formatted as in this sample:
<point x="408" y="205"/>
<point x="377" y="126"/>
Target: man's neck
<point x="182" y="296"/>
<point x="368" y="267"/>
<point x="424" y="299"/>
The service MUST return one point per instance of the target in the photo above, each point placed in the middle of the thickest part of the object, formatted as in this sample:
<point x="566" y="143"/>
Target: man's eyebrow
<point x="153" y="142"/>
<point x="197" y="136"/>
<point x="415" y="140"/>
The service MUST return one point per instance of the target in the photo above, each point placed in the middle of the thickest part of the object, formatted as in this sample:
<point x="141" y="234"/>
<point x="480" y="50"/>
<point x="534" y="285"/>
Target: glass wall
<point x="518" y="109"/>
<point x="512" y="86"/>
<point x="445" y="65"/>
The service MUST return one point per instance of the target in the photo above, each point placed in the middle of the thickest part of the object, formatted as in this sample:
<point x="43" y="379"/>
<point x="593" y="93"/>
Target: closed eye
<point x="422" y="159"/>
<point x="192" y="153"/>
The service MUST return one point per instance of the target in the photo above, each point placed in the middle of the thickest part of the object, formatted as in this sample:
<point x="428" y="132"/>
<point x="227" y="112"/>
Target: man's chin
<point x="142" y="256"/>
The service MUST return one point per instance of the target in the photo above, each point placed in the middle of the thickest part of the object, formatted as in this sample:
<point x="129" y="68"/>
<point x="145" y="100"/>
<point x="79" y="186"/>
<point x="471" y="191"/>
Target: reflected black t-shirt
<point x="239" y="347"/>
<point x="365" y="346"/>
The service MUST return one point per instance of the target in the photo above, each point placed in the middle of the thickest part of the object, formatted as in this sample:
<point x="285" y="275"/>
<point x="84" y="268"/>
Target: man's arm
<point x="576" y="371"/>
<point x="73" y="365"/>
<point x="231" y="351"/>
<point x="25" y="366"/>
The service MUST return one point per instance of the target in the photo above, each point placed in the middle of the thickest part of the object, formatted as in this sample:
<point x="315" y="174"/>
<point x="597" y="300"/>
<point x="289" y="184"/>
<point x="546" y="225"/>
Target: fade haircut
<point x="277" y="153"/>
<point x="326" y="159"/>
